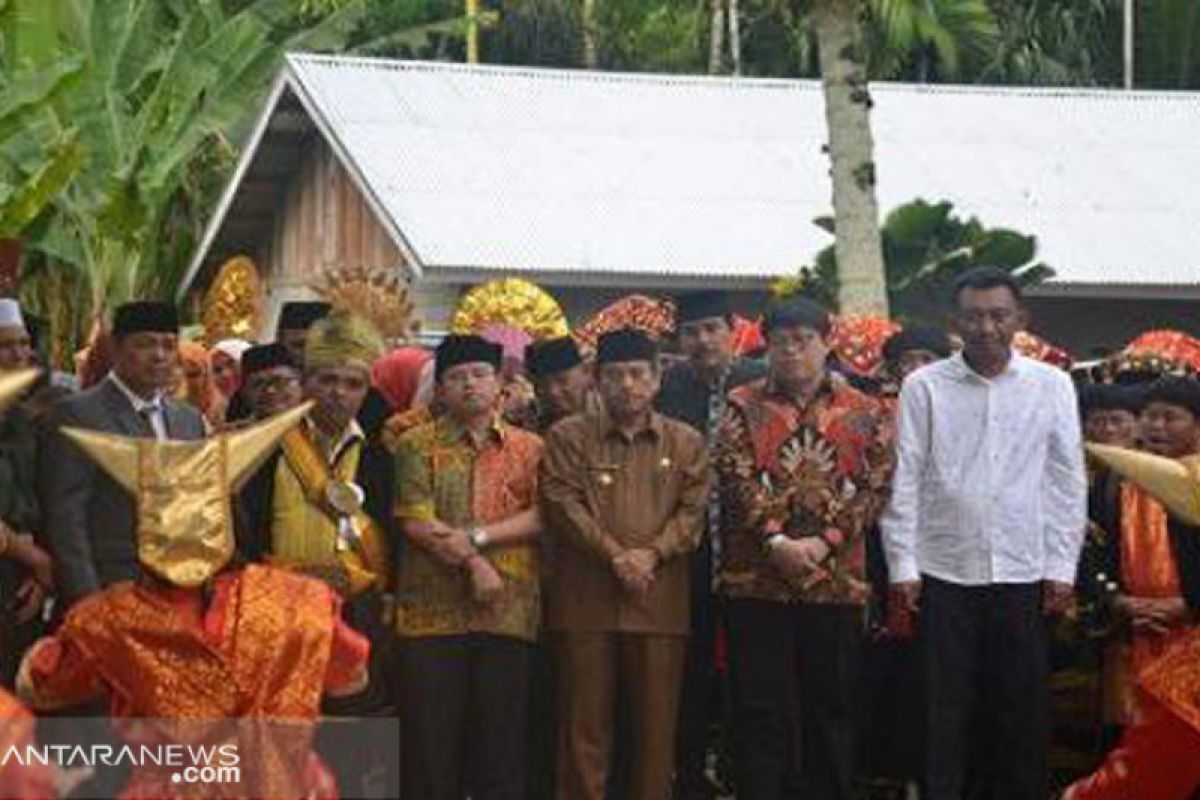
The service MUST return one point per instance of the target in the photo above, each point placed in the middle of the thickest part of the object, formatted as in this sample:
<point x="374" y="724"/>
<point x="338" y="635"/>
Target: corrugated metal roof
<point x="562" y="171"/>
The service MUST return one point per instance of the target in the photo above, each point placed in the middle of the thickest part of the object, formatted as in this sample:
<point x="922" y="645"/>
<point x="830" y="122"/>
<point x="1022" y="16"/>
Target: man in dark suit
<point x="694" y="392"/>
<point x="89" y="519"/>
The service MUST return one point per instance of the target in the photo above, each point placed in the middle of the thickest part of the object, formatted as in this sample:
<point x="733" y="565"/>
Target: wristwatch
<point x="478" y="538"/>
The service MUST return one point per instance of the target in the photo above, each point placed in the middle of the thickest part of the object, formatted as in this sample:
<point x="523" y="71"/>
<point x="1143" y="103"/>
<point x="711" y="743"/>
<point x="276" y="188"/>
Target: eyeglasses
<point x="276" y="383"/>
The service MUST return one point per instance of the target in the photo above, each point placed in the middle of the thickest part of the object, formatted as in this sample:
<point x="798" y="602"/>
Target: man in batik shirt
<point x="801" y="467"/>
<point x="694" y="391"/>
<point x="467" y="596"/>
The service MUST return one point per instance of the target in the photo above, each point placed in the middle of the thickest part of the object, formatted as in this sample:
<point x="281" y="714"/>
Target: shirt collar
<point x="138" y="402"/>
<point x="773" y="390"/>
<point x="608" y="426"/>
<point x="457" y="431"/>
<point x="352" y="433"/>
<point x="963" y="370"/>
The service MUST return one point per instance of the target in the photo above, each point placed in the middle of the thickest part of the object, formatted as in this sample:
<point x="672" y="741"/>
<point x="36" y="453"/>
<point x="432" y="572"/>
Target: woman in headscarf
<point x="197" y="387"/>
<point x="397" y="376"/>
<point x="227" y="365"/>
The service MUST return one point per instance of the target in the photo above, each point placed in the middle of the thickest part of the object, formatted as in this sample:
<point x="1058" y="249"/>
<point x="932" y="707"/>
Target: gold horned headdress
<point x="380" y="296"/>
<point x="12" y="384"/>
<point x="184" y="517"/>
<point x="1174" y="482"/>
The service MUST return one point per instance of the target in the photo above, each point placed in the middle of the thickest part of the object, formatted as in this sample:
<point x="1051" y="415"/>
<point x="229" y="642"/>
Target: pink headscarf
<point x="397" y="375"/>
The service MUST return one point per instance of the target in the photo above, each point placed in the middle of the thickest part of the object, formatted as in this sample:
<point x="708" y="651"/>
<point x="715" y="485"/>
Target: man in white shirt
<point x="982" y="537"/>
<point x="89" y="521"/>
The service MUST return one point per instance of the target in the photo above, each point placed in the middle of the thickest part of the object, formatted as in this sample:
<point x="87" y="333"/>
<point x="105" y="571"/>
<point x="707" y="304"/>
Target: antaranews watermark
<point x="188" y="764"/>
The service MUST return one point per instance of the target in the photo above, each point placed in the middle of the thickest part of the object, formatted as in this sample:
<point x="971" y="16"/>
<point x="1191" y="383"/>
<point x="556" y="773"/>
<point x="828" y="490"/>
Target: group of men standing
<point x="660" y="507"/>
<point x="559" y="592"/>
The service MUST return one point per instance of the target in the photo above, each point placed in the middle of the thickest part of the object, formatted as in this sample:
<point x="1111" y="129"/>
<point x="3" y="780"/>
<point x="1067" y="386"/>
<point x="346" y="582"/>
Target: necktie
<point x="151" y="413"/>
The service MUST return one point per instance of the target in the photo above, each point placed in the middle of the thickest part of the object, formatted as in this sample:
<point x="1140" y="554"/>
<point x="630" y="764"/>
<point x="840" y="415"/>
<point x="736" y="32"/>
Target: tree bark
<point x="591" y="58"/>
<point x="863" y="282"/>
<point x="716" y="37"/>
<point x="735" y="38"/>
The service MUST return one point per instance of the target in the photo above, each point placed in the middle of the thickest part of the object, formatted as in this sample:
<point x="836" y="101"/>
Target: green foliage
<point x="1168" y="44"/>
<point x="925" y="248"/>
<point x="923" y="39"/>
<point x="1057" y="42"/>
<point x="415" y="29"/>
<point x="119" y="115"/>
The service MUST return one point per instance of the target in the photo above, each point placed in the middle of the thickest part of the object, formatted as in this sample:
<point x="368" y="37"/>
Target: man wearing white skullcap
<point x="16" y="346"/>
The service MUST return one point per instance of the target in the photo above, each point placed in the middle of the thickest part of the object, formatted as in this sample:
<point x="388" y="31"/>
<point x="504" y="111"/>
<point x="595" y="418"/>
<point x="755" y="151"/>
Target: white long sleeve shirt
<point x="990" y="484"/>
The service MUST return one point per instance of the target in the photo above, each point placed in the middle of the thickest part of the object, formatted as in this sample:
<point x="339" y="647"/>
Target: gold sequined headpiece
<point x="184" y="518"/>
<point x="342" y="339"/>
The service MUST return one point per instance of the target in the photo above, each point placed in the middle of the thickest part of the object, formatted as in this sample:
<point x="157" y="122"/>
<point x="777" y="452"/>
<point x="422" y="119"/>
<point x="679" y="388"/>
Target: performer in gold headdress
<point x="193" y="640"/>
<point x="322" y="503"/>
<point x="1146" y="571"/>
<point x="1159" y="754"/>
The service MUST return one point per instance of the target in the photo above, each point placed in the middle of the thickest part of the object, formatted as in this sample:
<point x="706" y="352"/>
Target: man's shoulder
<point x="522" y="440"/>
<point x="941" y="370"/>
<point x="185" y="411"/>
<point x="572" y="426"/>
<point x="680" y="431"/>
<point x="89" y="407"/>
<point x="848" y="398"/>
<point x="1044" y="373"/>
<point x="414" y="433"/>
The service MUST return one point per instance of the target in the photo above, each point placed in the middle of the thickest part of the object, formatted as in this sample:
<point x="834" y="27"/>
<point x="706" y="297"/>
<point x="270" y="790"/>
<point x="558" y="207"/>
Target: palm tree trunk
<point x="590" y="53"/>
<point x="716" y="36"/>
<point x="847" y="112"/>
<point x="735" y="38"/>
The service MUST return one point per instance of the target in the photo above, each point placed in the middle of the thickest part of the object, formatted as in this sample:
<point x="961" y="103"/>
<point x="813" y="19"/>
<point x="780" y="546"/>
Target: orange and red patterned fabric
<point x="858" y="341"/>
<point x="655" y="318"/>
<point x="268" y="645"/>
<point x="17" y="781"/>
<point x="1037" y="348"/>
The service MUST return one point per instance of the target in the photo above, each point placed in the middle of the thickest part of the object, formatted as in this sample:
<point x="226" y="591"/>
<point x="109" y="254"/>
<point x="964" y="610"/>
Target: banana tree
<point x="160" y="84"/>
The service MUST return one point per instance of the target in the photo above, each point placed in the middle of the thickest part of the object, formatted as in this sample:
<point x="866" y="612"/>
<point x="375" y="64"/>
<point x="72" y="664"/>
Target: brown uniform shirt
<point x="604" y="492"/>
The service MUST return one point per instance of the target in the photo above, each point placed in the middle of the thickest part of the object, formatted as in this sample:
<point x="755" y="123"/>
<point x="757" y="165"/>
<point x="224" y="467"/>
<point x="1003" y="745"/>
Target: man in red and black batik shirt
<point x="802" y="469"/>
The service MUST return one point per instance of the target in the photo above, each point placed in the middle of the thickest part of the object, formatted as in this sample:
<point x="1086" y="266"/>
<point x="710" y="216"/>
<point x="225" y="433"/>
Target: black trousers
<point x="987" y="696"/>
<point x="793" y="669"/>
<point x="464" y="717"/>
<point x="697" y="704"/>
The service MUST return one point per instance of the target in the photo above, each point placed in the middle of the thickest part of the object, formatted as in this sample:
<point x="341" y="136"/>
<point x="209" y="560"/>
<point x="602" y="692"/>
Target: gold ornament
<point x="233" y="304"/>
<point x="655" y="318"/>
<point x="1173" y="482"/>
<point x="183" y="489"/>
<point x="511" y="302"/>
<point x="380" y="296"/>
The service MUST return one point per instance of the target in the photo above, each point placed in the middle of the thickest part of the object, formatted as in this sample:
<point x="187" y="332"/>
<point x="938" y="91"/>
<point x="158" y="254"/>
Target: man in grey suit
<point x="89" y="519"/>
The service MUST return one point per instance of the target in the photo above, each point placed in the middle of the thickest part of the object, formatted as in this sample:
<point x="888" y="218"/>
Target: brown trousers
<point x="594" y="670"/>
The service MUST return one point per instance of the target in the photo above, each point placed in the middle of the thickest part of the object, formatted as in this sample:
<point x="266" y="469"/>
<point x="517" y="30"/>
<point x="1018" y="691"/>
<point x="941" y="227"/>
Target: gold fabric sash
<point x="312" y="470"/>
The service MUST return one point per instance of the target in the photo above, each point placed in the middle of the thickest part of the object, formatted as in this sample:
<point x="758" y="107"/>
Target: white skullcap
<point x="10" y="313"/>
<point x="234" y="348"/>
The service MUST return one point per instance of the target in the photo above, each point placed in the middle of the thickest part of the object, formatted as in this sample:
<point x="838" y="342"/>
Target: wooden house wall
<point x="324" y="223"/>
